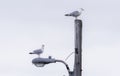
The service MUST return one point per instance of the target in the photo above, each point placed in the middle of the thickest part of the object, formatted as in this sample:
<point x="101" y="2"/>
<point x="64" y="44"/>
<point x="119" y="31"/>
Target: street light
<point x="41" y="62"/>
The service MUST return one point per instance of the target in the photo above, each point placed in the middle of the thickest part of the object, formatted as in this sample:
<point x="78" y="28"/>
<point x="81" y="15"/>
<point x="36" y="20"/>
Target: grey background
<point x="27" y="24"/>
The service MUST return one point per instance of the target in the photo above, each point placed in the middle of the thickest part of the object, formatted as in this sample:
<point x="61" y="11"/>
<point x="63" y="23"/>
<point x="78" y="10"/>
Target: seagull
<point x="75" y="13"/>
<point x="38" y="51"/>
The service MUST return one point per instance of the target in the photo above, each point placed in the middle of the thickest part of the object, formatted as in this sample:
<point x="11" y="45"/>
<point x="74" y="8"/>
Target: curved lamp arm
<point x="67" y="67"/>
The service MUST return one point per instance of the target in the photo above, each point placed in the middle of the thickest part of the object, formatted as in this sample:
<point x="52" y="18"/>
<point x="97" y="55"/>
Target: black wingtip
<point x="66" y="14"/>
<point x="30" y="53"/>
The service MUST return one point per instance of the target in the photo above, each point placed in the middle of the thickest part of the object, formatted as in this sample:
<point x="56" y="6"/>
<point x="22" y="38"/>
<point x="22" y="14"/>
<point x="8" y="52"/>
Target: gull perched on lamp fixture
<point x="75" y="13"/>
<point x="38" y="51"/>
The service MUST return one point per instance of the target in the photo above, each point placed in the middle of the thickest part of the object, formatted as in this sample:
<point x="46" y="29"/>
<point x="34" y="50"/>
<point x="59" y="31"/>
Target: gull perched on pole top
<point x="38" y="51"/>
<point x="75" y="13"/>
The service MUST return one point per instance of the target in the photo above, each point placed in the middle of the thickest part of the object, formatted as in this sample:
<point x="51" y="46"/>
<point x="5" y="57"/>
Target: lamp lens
<point x="39" y="65"/>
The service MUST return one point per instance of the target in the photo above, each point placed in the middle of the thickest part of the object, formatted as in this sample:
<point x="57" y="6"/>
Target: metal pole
<point x="78" y="48"/>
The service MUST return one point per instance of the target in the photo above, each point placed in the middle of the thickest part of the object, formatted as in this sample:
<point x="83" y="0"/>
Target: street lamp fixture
<point x="41" y="62"/>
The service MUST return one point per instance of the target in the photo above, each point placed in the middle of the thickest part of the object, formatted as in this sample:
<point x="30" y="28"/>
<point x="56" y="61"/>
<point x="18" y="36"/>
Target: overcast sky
<point x="27" y="24"/>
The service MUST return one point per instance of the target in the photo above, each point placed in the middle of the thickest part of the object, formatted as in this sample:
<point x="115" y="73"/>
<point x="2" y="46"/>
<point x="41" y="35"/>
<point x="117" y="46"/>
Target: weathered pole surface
<point x="78" y="48"/>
